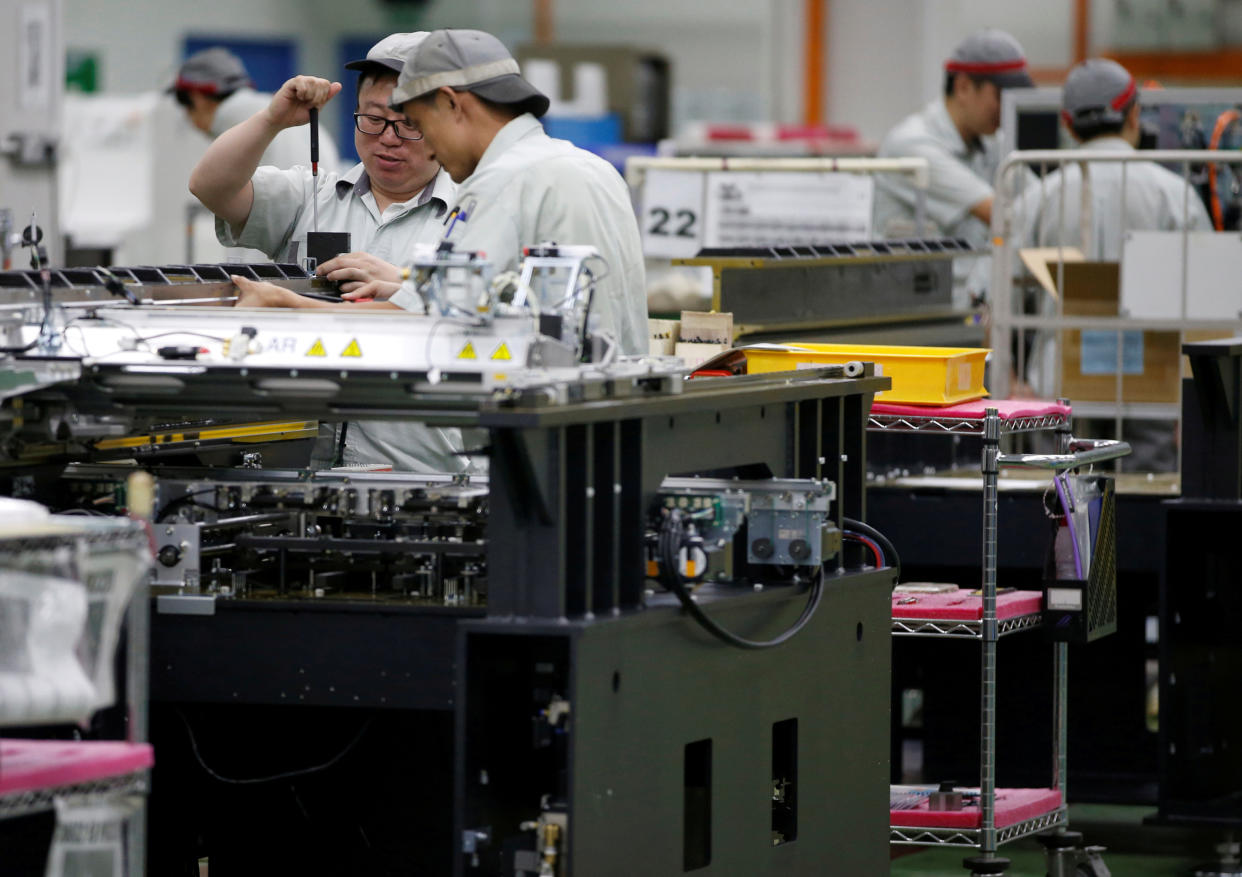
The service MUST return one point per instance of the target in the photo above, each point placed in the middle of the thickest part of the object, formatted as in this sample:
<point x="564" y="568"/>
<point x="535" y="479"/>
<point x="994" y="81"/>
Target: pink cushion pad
<point x="28" y="765"/>
<point x="1012" y="806"/>
<point x="1006" y="409"/>
<point x="960" y="606"/>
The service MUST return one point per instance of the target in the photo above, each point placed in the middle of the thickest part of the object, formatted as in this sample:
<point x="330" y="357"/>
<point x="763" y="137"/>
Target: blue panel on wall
<point x="269" y="62"/>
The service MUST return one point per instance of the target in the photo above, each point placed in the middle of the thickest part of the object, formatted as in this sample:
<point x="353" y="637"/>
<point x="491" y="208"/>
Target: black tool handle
<point x="314" y="132"/>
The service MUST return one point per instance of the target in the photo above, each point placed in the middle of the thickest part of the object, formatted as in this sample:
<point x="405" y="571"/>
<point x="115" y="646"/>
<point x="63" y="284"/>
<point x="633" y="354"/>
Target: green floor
<point x="1134" y="850"/>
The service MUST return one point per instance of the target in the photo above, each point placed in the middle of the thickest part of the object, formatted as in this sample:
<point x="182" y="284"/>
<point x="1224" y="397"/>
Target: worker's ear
<point x="453" y="99"/>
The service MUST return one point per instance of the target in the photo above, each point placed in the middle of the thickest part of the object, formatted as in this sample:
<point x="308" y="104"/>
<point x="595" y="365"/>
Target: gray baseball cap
<point x="391" y="52"/>
<point x="211" y="71"/>
<point x="991" y="54"/>
<point x="1097" y="92"/>
<point x="468" y="60"/>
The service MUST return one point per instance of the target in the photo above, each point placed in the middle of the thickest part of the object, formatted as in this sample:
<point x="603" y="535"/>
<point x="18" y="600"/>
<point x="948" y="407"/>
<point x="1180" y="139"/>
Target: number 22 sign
<point x="672" y="218"/>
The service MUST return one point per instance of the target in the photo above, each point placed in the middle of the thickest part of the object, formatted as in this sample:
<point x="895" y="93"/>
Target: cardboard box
<point x="1151" y="360"/>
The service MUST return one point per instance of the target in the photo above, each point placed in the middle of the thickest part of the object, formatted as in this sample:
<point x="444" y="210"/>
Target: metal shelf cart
<point x="989" y="629"/>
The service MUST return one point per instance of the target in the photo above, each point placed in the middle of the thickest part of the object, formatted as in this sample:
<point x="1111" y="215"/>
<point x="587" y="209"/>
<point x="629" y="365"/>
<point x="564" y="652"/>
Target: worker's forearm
<point x="221" y="179"/>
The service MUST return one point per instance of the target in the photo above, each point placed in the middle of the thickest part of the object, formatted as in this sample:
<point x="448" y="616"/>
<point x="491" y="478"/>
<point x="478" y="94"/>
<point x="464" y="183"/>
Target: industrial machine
<point x="642" y="622"/>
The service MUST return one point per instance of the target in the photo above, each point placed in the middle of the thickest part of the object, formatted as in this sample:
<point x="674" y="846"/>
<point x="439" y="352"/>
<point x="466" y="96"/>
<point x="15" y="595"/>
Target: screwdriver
<point x="314" y="156"/>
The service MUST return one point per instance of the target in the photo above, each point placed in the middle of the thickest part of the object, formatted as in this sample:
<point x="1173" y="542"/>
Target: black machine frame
<point x="680" y="754"/>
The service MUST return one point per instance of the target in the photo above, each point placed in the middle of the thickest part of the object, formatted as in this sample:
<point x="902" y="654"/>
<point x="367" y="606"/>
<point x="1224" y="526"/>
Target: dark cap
<point x="391" y="52"/>
<point x="991" y="54"/>
<point x="1097" y="92"/>
<point x="468" y="60"/>
<point x="211" y="71"/>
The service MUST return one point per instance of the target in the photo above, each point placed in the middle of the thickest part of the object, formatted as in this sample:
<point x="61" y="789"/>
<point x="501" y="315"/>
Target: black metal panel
<point x="1201" y="665"/>
<point x="621" y="768"/>
<point x="810" y="294"/>
<point x="318" y="655"/>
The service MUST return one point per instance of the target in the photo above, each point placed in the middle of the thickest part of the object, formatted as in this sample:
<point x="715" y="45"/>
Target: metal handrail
<point x="1085" y="453"/>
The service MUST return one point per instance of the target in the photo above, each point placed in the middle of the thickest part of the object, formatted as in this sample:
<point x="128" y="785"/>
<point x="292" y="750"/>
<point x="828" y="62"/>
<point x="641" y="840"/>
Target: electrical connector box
<point x="786" y="525"/>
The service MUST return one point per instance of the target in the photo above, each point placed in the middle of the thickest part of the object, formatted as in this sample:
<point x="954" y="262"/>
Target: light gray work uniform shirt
<point x="1056" y="213"/>
<point x="1061" y="211"/>
<point x="961" y="175"/>
<point x="282" y="213"/>
<point x="529" y="188"/>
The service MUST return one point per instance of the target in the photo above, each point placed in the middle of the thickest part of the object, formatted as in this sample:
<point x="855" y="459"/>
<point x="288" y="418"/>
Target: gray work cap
<point x="211" y="71"/>
<point x="391" y="52"/>
<point x="1097" y="92"/>
<point x="467" y="60"/>
<point x="991" y="54"/>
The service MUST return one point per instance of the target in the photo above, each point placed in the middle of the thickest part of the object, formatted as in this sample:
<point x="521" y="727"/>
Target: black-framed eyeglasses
<point x="375" y="125"/>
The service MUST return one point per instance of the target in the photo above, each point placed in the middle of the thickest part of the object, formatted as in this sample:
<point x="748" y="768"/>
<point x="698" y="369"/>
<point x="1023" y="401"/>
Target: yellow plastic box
<point x="920" y="375"/>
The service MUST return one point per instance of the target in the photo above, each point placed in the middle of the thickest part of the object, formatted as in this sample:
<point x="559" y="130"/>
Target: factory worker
<point x="480" y="118"/>
<point x="214" y="88"/>
<point x="956" y="133"/>
<point x="1100" y="107"/>
<point x="394" y="198"/>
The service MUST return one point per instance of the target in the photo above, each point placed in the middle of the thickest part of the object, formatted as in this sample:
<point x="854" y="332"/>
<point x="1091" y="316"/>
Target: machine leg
<point x="986" y="866"/>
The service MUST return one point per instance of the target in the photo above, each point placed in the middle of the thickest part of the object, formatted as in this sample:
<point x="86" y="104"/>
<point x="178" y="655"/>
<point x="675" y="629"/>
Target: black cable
<point x="289" y="774"/>
<point x="339" y="458"/>
<point x="890" y="552"/>
<point x="586" y="313"/>
<point x="182" y="500"/>
<point x="670" y="543"/>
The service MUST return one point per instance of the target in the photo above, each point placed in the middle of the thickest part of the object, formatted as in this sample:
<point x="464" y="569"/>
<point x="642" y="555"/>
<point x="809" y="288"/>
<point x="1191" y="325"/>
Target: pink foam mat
<point x="30" y="765"/>
<point x="1006" y="409"/>
<point x="1012" y="806"/>
<point x="961" y="606"/>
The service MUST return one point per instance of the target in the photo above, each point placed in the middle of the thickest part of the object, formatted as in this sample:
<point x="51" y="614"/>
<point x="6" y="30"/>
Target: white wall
<point x="886" y="57"/>
<point x="720" y="50"/>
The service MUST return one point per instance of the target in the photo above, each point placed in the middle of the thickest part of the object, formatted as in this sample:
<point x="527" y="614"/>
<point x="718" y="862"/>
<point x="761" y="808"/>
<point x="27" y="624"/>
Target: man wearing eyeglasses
<point x="395" y="197"/>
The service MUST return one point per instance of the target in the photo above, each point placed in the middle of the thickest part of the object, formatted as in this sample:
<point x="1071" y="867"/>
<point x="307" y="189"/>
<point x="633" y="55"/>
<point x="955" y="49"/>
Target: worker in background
<point x="395" y="197"/>
<point x="461" y="90"/>
<point x="214" y="88"/>
<point x="1100" y="107"/>
<point x="956" y="133"/>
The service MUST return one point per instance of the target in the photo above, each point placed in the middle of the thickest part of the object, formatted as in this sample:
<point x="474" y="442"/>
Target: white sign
<point x="34" y="56"/>
<point x="786" y="209"/>
<point x="672" y="219"/>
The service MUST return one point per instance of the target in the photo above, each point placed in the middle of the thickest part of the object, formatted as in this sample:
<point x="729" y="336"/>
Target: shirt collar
<point x="513" y="131"/>
<point x="357" y="181"/>
<point x="1108" y="143"/>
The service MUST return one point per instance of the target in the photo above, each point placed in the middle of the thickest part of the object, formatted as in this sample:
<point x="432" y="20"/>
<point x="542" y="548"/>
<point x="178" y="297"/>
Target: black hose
<point x="890" y="552"/>
<point x="671" y="540"/>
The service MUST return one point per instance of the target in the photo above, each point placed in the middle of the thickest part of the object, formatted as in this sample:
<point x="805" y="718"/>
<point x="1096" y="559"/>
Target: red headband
<point x="985" y="68"/>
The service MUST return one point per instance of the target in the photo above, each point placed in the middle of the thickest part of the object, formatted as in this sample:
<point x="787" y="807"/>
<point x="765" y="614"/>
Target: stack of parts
<point x="965" y="606"/>
<point x="1012" y="806"/>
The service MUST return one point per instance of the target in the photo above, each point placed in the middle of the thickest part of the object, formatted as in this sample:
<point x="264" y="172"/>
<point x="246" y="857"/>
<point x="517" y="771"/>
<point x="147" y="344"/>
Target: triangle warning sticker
<point x="502" y="352"/>
<point x="316" y="349"/>
<point x="353" y="349"/>
<point x="467" y="352"/>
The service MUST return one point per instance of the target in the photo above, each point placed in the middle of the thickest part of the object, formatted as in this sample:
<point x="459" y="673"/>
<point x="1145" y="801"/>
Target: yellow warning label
<point x="353" y="349"/>
<point x="502" y="352"/>
<point x="316" y="349"/>
<point x="467" y="352"/>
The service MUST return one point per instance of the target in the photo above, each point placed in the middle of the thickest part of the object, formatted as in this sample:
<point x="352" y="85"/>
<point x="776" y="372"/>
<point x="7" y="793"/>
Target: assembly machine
<point x="637" y="644"/>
